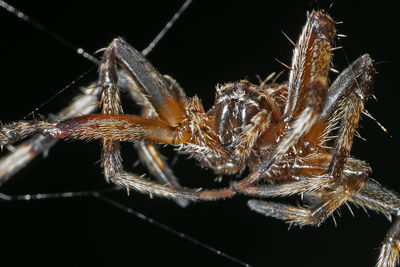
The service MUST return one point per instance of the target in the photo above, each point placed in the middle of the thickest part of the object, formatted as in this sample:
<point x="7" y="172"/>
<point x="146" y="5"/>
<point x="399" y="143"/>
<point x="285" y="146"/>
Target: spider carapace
<point x="294" y="137"/>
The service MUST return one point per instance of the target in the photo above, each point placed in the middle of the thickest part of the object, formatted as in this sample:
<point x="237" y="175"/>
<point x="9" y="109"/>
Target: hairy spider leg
<point x="323" y="203"/>
<point x="307" y="90"/>
<point x="22" y="154"/>
<point x="389" y="253"/>
<point x="345" y="98"/>
<point x="346" y="178"/>
<point x="372" y="196"/>
<point x="86" y="103"/>
<point x="167" y="101"/>
<point x="83" y="104"/>
<point x="152" y="158"/>
<point x="308" y="83"/>
<point x="376" y="197"/>
<point x="345" y="102"/>
<point x="148" y="153"/>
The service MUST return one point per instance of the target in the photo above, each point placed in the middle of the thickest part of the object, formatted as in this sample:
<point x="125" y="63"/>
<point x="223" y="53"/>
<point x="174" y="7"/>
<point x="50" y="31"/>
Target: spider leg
<point x="94" y="126"/>
<point x="310" y="184"/>
<point x="168" y="101"/>
<point x="347" y="96"/>
<point x="148" y="153"/>
<point x="325" y="201"/>
<point x="169" y="104"/>
<point x="158" y="168"/>
<point x="308" y="84"/>
<point x="376" y="197"/>
<point x="22" y="154"/>
<point x="113" y="127"/>
<point x="389" y="253"/>
<point x="303" y="185"/>
<point x="154" y="89"/>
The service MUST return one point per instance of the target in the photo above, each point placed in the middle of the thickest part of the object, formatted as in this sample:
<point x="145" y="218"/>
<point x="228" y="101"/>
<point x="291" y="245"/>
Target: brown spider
<point x="296" y="136"/>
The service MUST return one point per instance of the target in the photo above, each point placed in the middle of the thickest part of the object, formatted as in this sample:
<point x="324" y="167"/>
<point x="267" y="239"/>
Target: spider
<point x="294" y="137"/>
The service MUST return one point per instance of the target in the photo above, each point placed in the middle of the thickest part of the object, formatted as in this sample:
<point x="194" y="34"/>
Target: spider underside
<point x="295" y="138"/>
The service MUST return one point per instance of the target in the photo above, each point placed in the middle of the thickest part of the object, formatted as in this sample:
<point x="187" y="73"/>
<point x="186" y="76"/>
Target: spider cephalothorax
<point x="294" y="137"/>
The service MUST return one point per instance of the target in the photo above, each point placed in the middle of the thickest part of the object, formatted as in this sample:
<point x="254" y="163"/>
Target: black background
<point x="212" y="43"/>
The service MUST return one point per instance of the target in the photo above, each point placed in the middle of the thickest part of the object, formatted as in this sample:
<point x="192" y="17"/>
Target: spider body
<point x="237" y="109"/>
<point x="296" y="136"/>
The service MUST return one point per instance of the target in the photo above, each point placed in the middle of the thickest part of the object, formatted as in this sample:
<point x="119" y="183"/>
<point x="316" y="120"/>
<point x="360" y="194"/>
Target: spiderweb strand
<point x="80" y="50"/>
<point x="42" y="196"/>
<point x="19" y="14"/>
<point x="167" y="26"/>
<point x="170" y="230"/>
<point x="59" y="92"/>
<point x="99" y="194"/>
